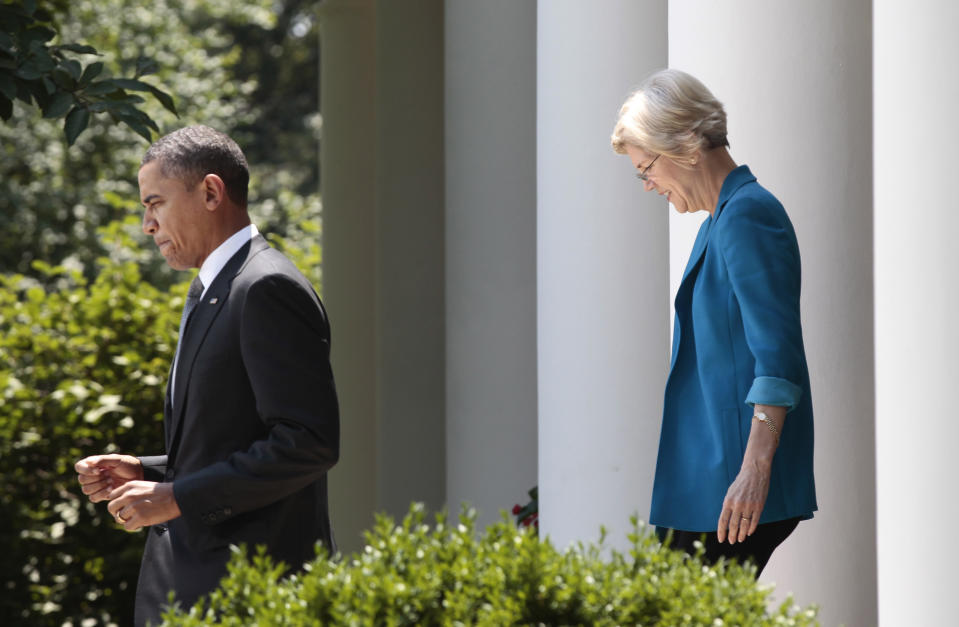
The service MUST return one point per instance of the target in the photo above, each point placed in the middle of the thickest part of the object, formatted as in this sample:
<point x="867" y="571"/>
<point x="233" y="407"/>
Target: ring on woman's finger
<point x="746" y="518"/>
<point x="121" y="519"/>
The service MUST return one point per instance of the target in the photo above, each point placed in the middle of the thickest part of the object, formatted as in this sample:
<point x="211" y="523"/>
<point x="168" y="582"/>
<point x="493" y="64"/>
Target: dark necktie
<point x="192" y="298"/>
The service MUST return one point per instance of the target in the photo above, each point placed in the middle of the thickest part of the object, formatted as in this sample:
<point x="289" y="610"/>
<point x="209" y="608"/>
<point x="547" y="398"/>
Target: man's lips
<point x="160" y="245"/>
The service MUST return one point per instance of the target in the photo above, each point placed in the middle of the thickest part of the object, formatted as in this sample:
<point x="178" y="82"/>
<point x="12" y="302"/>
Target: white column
<point x="348" y="89"/>
<point x="795" y="79"/>
<point x="917" y="340"/>
<point x="602" y="273"/>
<point x="411" y="436"/>
<point x="490" y="253"/>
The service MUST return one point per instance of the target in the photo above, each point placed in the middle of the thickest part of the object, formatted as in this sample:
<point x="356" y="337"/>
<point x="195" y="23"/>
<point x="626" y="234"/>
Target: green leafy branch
<point x="39" y="73"/>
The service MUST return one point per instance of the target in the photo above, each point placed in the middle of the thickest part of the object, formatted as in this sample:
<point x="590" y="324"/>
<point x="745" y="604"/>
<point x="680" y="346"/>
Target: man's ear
<point x="214" y="191"/>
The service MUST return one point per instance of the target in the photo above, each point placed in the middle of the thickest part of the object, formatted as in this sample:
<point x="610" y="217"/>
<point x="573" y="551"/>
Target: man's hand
<point x="100" y="474"/>
<point x="137" y="504"/>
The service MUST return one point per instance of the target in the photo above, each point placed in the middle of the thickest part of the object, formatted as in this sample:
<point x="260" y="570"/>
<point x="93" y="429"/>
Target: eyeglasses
<point x="642" y="175"/>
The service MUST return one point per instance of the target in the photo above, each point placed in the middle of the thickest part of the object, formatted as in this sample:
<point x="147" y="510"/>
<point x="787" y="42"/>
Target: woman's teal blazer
<point x="737" y="341"/>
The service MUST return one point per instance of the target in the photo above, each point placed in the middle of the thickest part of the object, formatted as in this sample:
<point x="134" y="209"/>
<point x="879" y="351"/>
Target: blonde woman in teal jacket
<point x="736" y="447"/>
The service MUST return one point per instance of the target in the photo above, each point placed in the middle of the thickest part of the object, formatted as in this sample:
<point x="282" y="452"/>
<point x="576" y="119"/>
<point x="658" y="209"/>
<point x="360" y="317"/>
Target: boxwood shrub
<point x="446" y="573"/>
<point x="83" y="367"/>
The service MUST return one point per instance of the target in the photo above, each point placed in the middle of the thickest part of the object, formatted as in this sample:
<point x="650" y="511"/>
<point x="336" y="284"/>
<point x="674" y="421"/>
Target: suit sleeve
<point x="154" y="467"/>
<point x="285" y="345"/>
<point x="762" y="259"/>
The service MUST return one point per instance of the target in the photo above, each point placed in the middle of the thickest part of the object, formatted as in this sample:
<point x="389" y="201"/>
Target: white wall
<point x="490" y="253"/>
<point x="602" y="251"/>
<point x="795" y="79"/>
<point x="917" y="341"/>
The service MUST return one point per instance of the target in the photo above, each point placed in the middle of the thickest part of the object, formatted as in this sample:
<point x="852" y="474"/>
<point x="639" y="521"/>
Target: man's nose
<point x="149" y="223"/>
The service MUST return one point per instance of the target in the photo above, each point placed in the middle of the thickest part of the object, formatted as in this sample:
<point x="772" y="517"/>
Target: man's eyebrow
<point x="150" y="198"/>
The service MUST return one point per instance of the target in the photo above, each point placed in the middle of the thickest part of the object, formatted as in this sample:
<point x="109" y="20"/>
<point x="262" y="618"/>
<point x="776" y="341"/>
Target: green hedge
<point x="444" y="573"/>
<point x="83" y="369"/>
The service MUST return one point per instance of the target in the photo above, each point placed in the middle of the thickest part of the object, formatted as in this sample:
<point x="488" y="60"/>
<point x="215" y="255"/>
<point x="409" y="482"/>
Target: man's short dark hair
<point x="192" y="152"/>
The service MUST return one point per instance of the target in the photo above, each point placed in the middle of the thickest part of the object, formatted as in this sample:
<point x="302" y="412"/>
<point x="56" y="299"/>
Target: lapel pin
<point x="214" y="300"/>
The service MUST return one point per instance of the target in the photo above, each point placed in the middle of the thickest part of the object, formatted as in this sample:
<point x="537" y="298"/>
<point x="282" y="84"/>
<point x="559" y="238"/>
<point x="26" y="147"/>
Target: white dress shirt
<point x="211" y="267"/>
<point x="217" y="259"/>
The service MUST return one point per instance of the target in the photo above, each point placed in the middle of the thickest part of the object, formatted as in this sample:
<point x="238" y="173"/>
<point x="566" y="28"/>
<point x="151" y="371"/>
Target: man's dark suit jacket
<point x="250" y="434"/>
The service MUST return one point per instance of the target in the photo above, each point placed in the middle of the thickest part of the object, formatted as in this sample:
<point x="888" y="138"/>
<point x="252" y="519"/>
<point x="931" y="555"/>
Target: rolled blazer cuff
<point x="774" y="391"/>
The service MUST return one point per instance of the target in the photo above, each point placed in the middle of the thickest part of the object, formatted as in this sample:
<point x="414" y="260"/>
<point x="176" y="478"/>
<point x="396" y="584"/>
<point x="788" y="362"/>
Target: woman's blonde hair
<point x="673" y="114"/>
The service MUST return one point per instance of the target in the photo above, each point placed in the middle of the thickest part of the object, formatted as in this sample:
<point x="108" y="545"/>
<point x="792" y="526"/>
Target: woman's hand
<point x="746" y="497"/>
<point x="744" y="503"/>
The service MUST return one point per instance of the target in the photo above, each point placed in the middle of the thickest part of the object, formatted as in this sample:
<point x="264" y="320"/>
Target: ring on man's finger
<point x="121" y="519"/>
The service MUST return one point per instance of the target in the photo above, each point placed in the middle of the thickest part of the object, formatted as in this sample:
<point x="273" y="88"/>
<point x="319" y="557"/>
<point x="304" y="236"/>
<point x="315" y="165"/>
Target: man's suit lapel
<point x="196" y="330"/>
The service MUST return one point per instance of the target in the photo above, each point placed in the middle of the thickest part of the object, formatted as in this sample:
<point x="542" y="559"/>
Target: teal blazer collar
<point x="734" y="180"/>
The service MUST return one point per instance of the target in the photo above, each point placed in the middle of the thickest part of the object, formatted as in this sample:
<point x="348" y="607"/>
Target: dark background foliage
<point x="88" y="310"/>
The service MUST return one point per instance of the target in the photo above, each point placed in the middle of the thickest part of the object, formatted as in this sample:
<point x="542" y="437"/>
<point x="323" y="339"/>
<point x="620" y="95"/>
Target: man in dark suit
<point x="251" y="417"/>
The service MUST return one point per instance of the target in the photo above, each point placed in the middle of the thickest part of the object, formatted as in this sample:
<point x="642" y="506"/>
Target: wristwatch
<point x="766" y="420"/>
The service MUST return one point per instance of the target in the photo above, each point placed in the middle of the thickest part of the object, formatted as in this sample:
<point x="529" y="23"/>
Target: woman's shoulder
<point x="753" y="197"/>
<point x="752" y="206"/>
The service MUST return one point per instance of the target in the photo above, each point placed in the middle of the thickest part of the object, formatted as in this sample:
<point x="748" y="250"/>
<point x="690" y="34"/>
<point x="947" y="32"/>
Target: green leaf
<point x="64" y="79"/>
<point x="23" y="91"/>
<point x="29" y="72"/>
<point x="7" y="87"/>
<point x="165" y="99"/>
<point x="134" y="85"/>
<point x="49" y="85"/>
<point x="29" y="6"/>
<point x="36" y="34"/>
<point x="6" y="41"/>
<point x="129" y="113"/>
<point x="76" y="121"/>
<point x="91" y="72"/>
<point x="146" y="65"/>
<point x="101" y="88"/>
<point x="59" y="105"/>
<point x="73" y="66"/>
<point x="12" y="19"/>
<point x="131" y="84"/>
<point x="139" y="128"/>
<point x="43" y="60"/>
<point x="6" y="107"/>
<point x="79" y="48"/>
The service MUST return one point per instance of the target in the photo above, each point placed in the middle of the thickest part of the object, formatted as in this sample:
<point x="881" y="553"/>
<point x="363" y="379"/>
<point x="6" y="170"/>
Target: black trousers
<point x="757" y="548"/>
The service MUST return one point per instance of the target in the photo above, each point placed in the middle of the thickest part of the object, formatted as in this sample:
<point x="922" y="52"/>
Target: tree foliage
<point x="447" y="573"/>
<point x="54" y="200"/>
<point x="51" y="77"/>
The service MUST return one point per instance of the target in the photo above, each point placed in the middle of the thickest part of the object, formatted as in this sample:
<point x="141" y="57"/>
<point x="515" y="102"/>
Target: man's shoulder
<point x="268" y="273"/>
<point x="265" y="261"/>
